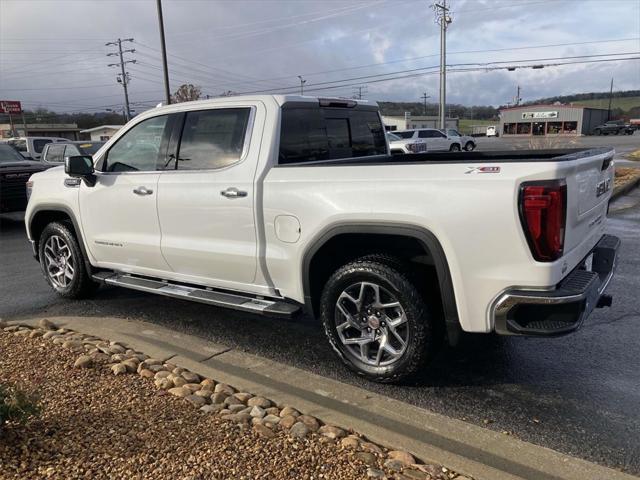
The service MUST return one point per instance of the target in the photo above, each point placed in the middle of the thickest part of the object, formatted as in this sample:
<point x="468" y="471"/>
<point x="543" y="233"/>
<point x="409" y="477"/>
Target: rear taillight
<point x="543" y="214"/>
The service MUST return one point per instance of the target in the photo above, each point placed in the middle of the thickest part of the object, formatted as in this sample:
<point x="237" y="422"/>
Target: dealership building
<point x="541" y="120"/>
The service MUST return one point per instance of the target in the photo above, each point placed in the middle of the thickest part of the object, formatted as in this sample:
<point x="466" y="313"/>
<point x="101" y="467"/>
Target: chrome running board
<point x="236" y="301"/>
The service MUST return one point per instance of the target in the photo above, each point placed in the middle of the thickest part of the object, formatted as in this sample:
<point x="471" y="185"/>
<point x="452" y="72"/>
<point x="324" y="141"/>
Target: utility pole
<point x="518" y="99"/>
<point x="163" y="47"/>
<point x="123" y="77"/>
<point x="443" y="19"/>
<point x="359" y="92"/>
<point x="424" y="99"/>
<point x="610" y="98"/>
<point x="302" y="82"/>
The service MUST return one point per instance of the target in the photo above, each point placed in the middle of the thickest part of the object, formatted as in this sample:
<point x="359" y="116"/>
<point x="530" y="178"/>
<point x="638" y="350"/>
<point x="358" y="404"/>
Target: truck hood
<point x="21" y="166"/>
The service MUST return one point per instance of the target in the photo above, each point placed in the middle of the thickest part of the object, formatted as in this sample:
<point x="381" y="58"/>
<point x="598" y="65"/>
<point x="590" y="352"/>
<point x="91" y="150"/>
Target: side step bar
<point x="236" y="301"/>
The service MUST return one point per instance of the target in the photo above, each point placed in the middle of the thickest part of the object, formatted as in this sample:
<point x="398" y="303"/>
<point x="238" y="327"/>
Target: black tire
<point x="597" y="132"/>
<point x="394" y="277"/>
<point x="454" y="148"/>
<point x="79" y="283"/>
<point x="470" y="146"/>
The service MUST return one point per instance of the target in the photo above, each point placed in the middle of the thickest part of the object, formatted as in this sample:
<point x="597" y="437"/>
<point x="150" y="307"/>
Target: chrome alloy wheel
<point x="58" y="261"/>
<point x="371" y="324"/>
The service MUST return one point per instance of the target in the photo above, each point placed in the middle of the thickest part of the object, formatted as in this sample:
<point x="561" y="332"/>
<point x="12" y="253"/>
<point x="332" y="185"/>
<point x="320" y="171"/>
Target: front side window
<point x="213" y="139"/>
<point x="139" y="148"/>
<point x="55" y="153"/>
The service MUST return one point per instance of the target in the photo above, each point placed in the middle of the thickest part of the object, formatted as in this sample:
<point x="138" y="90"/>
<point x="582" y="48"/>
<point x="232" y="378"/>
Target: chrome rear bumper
<point x="563" y="308"/>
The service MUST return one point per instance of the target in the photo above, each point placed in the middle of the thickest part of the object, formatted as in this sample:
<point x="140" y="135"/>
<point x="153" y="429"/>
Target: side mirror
<point x="80" y="166"/>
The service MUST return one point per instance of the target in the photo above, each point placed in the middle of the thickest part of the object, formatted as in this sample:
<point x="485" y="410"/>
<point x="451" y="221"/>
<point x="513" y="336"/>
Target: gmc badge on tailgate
<point x="603" y="187"/>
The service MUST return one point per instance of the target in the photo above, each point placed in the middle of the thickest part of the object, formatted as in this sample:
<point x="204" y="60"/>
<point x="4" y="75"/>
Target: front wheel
<point x="470" y="146"/>
<point x="454" y="148"/>
<point x="63" y="263"/>
<point x="376" y="320"/>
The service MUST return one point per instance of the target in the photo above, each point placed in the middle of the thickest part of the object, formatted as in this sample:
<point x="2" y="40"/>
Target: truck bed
<point x="506" y="156"/>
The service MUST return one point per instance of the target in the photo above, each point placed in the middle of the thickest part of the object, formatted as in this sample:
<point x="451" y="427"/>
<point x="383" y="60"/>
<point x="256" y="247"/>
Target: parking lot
<point x="578" y="394"/>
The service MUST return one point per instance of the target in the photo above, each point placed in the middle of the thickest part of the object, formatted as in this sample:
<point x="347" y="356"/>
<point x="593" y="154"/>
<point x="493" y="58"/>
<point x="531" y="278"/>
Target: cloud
<point x="247" y="45"/>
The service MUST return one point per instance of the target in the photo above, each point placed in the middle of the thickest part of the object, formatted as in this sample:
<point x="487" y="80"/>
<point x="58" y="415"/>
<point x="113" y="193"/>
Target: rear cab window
<point x="311" y="132"/>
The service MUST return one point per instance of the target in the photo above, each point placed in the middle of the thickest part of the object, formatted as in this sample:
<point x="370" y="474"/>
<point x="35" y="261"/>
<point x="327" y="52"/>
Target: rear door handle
<point x="233" y="192"/>
<point x="142" y="191"/>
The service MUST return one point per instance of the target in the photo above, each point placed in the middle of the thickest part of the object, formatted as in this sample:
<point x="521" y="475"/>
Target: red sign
<point x="10" y="106"/>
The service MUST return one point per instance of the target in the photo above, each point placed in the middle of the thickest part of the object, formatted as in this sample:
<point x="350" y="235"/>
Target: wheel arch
<point x="322" y="247"/>
<point x="43" y="215"/>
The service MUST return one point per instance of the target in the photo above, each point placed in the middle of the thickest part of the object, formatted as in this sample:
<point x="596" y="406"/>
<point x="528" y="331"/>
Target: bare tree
<point x="186" y="93"/>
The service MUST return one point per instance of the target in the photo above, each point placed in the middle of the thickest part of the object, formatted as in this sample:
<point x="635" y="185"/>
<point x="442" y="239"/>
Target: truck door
<point x="206" y="196"/>
<point x="118" y="214"/>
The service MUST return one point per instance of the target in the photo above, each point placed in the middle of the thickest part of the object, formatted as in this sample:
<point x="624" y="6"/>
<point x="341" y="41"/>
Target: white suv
<point x="467" y="141"/>
<point x="436" y="140"/>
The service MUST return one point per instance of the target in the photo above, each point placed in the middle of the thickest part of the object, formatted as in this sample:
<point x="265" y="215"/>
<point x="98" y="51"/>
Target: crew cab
<point x="276" y="205"/>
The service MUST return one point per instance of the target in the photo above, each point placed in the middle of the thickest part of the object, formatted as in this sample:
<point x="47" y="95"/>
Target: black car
<point x="55" y="153"/>
<point x="15" y="170"/>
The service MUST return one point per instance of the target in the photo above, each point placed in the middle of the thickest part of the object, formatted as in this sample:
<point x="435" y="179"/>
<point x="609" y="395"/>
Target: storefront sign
<point x="528" y="115"/>
<point x="10" y="106"/>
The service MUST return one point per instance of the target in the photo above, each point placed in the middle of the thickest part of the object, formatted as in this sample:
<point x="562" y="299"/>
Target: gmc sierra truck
<point x="280" y="204"/>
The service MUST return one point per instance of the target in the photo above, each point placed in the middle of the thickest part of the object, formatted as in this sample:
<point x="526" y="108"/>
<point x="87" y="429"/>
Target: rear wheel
<point x="470" y="146"/>
<point x="63" y="263"/>
<point x="376" y="319"/>
<point x="454" y="148"/>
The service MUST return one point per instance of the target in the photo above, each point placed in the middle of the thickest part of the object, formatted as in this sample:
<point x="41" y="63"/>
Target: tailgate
<point x="589" y="186"/>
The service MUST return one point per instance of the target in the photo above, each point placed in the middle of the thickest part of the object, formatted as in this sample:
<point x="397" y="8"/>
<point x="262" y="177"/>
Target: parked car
<point x="436" y="140"/>
<point x="467" y="141"/>
<point x="275" y="204"/>
<point x="55" y="153"/>
<point x="399" y="146"/>
<point x="15" y="170"/>
<point x="614" y="127"/>
<point x="31" y="147"/>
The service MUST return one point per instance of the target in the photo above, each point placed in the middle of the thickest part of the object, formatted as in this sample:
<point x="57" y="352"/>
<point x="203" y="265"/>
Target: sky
<point x="53" y="53"/>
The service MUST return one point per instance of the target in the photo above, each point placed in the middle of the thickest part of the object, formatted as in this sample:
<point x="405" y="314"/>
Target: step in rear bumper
<point x="563" y="308"/>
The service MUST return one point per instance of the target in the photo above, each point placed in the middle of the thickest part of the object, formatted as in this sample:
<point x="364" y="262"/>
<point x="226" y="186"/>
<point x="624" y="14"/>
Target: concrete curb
<point x="465" y="448"/>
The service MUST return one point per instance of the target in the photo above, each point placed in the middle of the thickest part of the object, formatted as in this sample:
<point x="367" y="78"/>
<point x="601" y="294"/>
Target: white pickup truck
<point x="280" y="204"/>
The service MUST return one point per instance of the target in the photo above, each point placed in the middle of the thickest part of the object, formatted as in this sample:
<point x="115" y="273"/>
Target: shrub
<point x="16" y="406"/>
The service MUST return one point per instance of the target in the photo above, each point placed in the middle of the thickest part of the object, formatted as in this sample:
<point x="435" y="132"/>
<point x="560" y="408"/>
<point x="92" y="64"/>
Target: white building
<point x="101" y="133"/>
<point x="411" y="122"/>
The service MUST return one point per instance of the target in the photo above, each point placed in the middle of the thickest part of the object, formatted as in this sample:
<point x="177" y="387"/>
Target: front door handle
<point x="142" y="191"/>
<point x="233" y="192"/>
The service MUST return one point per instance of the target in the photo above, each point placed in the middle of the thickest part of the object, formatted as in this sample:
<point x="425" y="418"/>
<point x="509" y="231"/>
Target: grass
<point x="465" y="124"/>
<point x="624" y="103"/>
<point x="634" y="155"/>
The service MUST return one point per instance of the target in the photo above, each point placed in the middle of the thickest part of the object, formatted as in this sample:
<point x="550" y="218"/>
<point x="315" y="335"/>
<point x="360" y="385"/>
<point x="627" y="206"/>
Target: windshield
<point x="20" y="145"/>
<point x="90" y="148"/>
<point x="453" y="133"/>
<point x="9" y="154"/>
<point x="407" y="134"/>
<point x="393" y="137"/>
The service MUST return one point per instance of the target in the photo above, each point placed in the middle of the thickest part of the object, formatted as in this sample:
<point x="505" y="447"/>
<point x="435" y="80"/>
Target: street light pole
<point x="302" y="82"/>
<point x="163" y="47"/>
<point x="424" y="98"/>
<point x="443" y="19"/>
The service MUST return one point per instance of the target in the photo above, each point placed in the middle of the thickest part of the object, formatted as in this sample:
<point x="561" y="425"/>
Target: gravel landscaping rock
<point x="97" y="425"/>
<point x="299" y="430"/>
<point x="401" y="456"/>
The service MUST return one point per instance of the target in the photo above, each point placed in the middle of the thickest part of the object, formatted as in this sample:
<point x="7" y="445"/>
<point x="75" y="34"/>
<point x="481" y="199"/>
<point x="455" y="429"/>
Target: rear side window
<point x="213" y="139"/>
<point x="309" y="134"/>
<point x="38" y="145"/>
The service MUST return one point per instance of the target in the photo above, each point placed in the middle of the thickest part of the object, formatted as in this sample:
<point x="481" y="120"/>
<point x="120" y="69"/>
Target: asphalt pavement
<point x="578" y="394"/>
